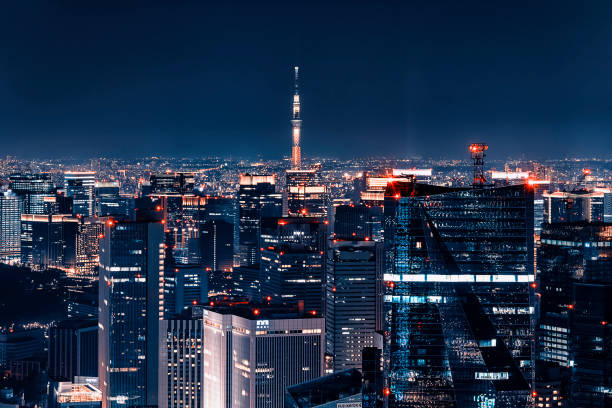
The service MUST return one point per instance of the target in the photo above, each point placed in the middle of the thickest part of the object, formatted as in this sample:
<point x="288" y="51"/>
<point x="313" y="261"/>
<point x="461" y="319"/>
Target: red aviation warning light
<point x="586" y="172"/>
<point x="477" y="151"/>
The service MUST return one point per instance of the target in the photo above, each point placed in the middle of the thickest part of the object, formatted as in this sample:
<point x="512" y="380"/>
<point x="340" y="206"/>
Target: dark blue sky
<point x="403" y="78"/>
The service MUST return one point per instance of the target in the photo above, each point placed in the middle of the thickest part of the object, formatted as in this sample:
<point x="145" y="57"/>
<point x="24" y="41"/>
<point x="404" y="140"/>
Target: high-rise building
<point x="80" y="186"/>
<point x="575" y="281"/>
<point x="73" y="349"/>
<point x="131" y="306"/>
<point x="459" y="303"/>
<point x="11" y="207"/>
<point x="181" y="363"/>
<point x="352" y="222"/>
<point x="217" y="245"/>
<point x="257" y="199"/>
<point x="307" y="195"/>
<point x="110" y="202"/>
<point x="296" y="125"/>
<point x="579" y="205"/>
<point x="293" y="261"/>
<point x="49" y="240"/>
<point x="353" y="312"/>
<point x="89" y="232"/>
<point x="251" y="355"/>
<point x="34" y="189"/>
<point x="185" y="286"/>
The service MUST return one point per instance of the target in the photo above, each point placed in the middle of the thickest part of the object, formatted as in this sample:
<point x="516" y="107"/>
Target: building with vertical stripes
<point x="252" y="355"/>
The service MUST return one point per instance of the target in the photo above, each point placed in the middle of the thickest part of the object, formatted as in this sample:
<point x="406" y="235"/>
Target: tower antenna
<point x="296" y="125"/>
<point x="477" y="151"/>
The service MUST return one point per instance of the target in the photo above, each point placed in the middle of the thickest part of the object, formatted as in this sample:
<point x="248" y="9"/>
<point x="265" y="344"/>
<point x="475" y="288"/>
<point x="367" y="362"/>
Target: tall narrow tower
<point x="296" y="124"/>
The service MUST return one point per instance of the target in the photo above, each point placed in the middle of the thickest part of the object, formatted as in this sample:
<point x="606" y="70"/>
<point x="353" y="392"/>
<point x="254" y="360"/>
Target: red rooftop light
<point x="256" y="312"/>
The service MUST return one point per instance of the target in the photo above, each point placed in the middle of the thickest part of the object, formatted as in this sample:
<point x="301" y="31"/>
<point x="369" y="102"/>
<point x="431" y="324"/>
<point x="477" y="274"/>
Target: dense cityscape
<point x="306" y="282"/>
<point x="322" y="204"/>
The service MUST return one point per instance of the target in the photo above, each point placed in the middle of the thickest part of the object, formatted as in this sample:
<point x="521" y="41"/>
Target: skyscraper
<point x="251" y="355"/>
<point x="575" y="280"/>
<point x="11" y="207"/>
<point x="293" y="261"/>
<point x="181" y="363"/>
<point x="131" y="275"/>
<point x="459" y="305"/>
<point x="307" y="195"/>
<point x="80" y="186"/>
<point x="296" y="125"/>
<point x="353" y="312"/>
<point x="33" y="188"/>
<point x="257" y="199"/>
<point x="49" y="240"/>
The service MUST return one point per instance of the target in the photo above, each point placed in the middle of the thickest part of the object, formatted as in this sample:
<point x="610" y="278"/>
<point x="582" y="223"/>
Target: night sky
<point x="396" y="78"/>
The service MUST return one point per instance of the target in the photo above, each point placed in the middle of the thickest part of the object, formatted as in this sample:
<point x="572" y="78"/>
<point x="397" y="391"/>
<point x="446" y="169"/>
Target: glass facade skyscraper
<point x="257" y="199"/>
<point x="131" y="305"/>
<point x="33" y="188"/>
<point x="459" y="298"/>
<point x="80" y="186"/>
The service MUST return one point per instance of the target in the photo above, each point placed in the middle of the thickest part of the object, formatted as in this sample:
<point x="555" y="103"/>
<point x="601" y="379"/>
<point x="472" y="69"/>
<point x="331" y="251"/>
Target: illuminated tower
<point x="296" y="124"/>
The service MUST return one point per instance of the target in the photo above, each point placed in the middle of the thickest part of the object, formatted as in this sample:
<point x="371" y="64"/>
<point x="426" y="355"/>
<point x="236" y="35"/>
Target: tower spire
<point x="296" y="124"/>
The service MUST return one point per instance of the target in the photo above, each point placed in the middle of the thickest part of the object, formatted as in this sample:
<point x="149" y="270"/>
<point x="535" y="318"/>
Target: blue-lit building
<point x="292" y="266"/>
<point x="257" y="199"/>
<point x="131" y="272"/>
<point x="459" y="303"/>
<point x="573" y="339"/>
<point x="110" y="202"/>
<point x="79" y="185"/>
<point x="34" y="189"/>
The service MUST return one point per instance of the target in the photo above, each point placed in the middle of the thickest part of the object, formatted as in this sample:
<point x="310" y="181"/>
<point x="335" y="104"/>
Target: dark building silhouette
<point x="73" y="349"/>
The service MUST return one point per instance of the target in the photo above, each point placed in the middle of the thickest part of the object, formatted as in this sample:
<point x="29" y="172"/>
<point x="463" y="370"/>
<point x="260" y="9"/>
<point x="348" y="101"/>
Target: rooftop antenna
<point x="477" y="151"/>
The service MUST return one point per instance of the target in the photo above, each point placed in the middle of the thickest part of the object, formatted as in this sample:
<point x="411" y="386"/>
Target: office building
<point x="20" y="345"/>
<point x="186" y="285"/>
<point x="109" y="201"/>
<point x="257" y="199"/>
<point x="73" y="349"/>
<point x="579" y="205"/>
<point x="353" y="311"/>
<point x="459" y="302"/>
<point x="181" y="364"/>
<point x="306" y="194"/>
<point x="293" y="261"/>
<point x="352" y="222"/>
<point x="79" y="185"/>
<point x="131" y="306"/>
<point x="33" y="189"/>
<point x="251" y="355"/>
<point x="11" y="207"/>
<point x="49" y="241"/>
<point x="217" y="245"/>
<point x="575" y="285"/>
